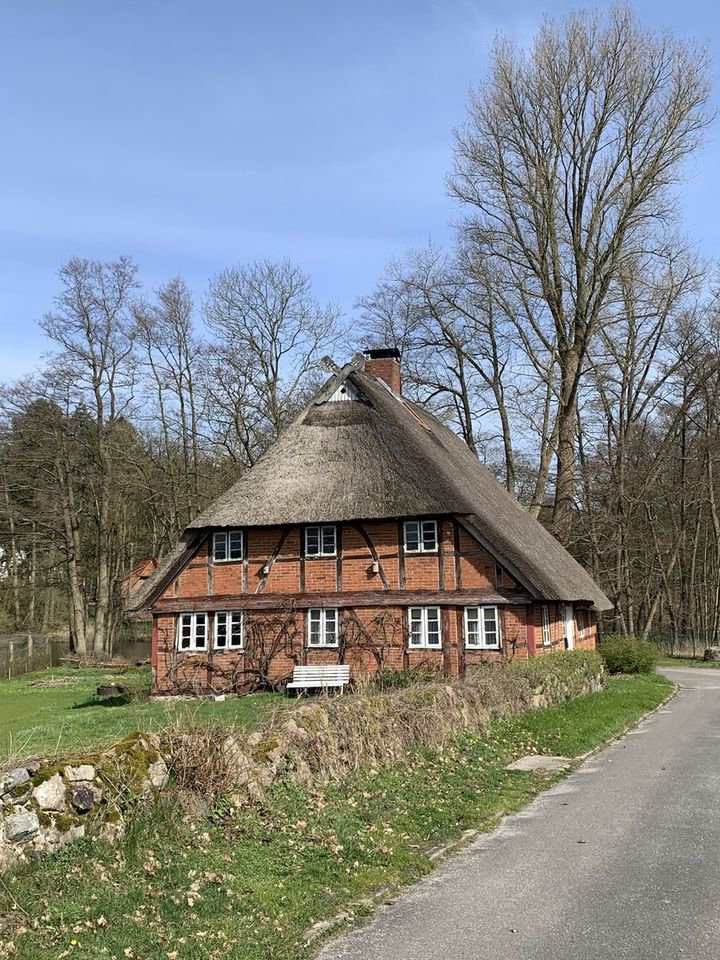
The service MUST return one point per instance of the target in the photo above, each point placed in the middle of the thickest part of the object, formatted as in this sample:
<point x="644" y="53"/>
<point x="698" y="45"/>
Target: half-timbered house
<point x="369" y="534"/>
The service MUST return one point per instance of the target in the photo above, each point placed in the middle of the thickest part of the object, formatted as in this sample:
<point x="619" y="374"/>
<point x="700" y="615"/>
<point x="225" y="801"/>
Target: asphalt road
<point x="621" y="859"/>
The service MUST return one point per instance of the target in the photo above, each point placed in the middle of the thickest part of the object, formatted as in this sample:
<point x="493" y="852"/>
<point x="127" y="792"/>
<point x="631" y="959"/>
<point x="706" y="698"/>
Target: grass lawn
<point x="56" y="710"/>
<point x="680" y="661"/>
<point x="249" y="885"/>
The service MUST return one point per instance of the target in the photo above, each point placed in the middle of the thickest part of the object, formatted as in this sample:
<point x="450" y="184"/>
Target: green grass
<point x="688" y="661"/>
<point x="39" y="719"/>
<point x="250" y="885"/>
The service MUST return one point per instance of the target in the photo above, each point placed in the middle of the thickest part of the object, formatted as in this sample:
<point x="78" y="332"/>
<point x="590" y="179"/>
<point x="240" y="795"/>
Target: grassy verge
<point x="688" y="661"/>
<point x="250" y="885"/>
<point x="57" y="711"/>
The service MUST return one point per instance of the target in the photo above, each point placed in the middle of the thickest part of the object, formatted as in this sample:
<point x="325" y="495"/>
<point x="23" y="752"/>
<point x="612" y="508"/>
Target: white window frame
<point x="224" y="536"/>
<point x="421" y="525"/>
<point x="194" y="620"/>
<point x="227" y="616"/>
<point x="479" y="616"/>
<point x="545" y="624"/>
<point x="320" y="615"/>
<point x="321" y="531"/>
<point x="422" y="619"/>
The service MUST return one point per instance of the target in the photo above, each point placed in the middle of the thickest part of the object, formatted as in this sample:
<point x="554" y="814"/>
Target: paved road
<point x="620" y="860"/>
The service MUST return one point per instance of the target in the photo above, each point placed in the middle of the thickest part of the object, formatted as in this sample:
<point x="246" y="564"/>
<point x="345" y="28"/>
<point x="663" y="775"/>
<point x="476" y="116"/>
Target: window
<point x="320" y="541"/>
<point x="581" y="622"/>
<point x="424" y="627"/>
<point x="420" y="536"/>
<point x="229" y="631"/>
<point x="192" y="631"/>
<point x="545" y="620"/>
<point x="482" y="627"/>
<point x="322" y="627"/>
<point x="227" y="545"/>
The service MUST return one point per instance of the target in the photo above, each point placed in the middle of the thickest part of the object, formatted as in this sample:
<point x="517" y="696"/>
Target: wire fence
<point x="24" y="653"/>
<point x="675" y="642"/>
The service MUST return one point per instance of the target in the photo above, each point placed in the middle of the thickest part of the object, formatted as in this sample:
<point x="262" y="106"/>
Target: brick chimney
<point x="385" y="365"/>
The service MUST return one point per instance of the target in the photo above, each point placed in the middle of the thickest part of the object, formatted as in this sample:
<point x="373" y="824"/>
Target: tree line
<point x="569" y="334"/>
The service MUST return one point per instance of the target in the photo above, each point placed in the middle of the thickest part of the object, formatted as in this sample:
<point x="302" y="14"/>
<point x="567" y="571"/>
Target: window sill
<point x="419" y="553"/>
<point x="192" y="649"/>
<point x="230" y="560"/>
<point x="228" y="649"/>
<point x="424" y="649"/>
<point x="321" y="556"/>
<point x="323" y="646"/>
<point x="478" y="649"/>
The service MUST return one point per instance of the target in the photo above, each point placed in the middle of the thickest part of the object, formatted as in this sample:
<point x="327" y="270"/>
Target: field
<point x="250" y="884"/>
<point x="54" y="711"/>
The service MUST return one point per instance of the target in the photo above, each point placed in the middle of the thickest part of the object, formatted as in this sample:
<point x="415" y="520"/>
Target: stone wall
<point x="45" y="804"/>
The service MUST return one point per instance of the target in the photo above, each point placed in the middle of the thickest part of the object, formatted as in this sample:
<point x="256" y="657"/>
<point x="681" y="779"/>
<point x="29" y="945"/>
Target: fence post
<point x="11" y="658"/>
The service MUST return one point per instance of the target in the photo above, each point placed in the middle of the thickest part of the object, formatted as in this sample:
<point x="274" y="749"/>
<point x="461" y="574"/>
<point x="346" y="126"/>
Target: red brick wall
<point x="274" y="564"/>
<point x="471" y="568"/>
<point x="371" y="637"/>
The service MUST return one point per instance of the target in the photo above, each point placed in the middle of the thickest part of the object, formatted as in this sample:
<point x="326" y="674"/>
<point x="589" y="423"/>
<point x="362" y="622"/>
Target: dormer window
<point x="227" y="545"/>
<point x="420" y="536"/>
<point x="321" y="541"/>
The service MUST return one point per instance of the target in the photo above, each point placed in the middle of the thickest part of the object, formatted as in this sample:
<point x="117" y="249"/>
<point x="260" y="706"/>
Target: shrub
<point x="391" y="679"/>
<point x="623" y="653"/>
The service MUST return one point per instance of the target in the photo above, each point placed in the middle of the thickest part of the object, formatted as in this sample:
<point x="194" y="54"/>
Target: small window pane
<point x="315" y="620"/>
<point x="220" y="630"/>
<point x="429" y="535"/>
<point x="490" y="626"/>
<point x="220" y="546"/>
<point x="200" y="630"/>
<point x="472" y="626"/>
<point x="416" y="627"/>
<point x="433" y="626"/>
<point x="412" y="536"/>
<point x="312" y="541"/>
<point x="236" y="544"/>
<point x="330" y="626"/>
<point x="236" y="629"/>
<point x="328" y="540"/>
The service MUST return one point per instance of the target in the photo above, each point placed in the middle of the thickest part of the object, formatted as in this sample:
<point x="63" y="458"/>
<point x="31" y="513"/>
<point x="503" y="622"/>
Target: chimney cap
<point x="385" y="353"/>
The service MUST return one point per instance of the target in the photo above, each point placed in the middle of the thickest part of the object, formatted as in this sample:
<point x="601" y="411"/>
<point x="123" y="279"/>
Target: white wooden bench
<point x="328" y="675"/>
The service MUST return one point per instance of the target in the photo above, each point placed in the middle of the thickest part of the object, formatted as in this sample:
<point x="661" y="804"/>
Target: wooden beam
<point x="359" y="598"/>
<point x="375" y="556"/>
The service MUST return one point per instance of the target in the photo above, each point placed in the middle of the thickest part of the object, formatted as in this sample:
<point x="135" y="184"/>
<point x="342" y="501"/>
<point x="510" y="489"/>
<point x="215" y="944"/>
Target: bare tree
<point x="170" y="356"/>
<point x="566" y="165"/>
<point x="270" y="333"/>
<point x="91" y="380"/>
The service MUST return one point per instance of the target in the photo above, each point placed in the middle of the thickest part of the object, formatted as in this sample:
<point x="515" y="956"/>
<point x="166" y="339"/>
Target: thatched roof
<point x="381" y="456"/>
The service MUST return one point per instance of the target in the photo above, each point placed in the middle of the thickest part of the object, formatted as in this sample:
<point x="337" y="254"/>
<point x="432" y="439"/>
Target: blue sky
<point x="196" y="135"/>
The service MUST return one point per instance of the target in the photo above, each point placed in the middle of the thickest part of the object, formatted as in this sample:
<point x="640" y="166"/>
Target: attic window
<point x="227" y="545"/>
<point x="420" y="536"/>
<point x="321" y="541"/>
<point x="346" y="391"/>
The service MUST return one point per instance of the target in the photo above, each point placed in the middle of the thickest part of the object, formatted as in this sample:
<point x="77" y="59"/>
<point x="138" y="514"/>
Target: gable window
<point x="229" y="631"/>
<point x="227" y="545"/>
<point x="424" y="628"/>
<point x="545" y="621"/>
<point x="420" y="536"/>
<point x="192" y="631"/>
<point x="482" y="628"/>
<point x="322" y="627"/>
<point x="321" y="541"/>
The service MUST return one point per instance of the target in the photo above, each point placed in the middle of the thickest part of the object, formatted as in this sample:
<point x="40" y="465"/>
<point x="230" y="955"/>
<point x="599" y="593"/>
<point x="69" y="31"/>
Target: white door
<point x="569" y="626"/>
